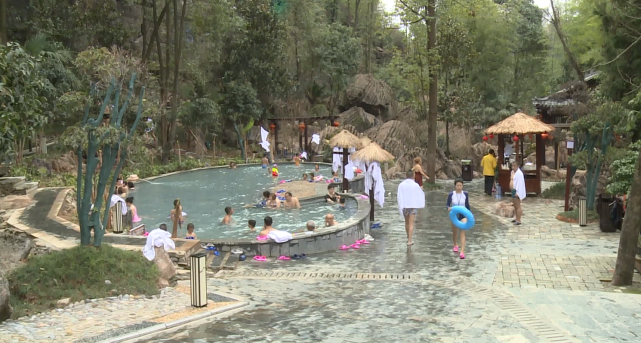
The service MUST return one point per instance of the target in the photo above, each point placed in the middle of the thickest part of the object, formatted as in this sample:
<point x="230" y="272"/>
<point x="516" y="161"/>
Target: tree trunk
<point x="557" y="26"/>
<point x="624" y="268"/>
<point x="3" y="22"/>
<point x="143" y="27"/>
<point x="433" y="93"/>
<point x="178" y="38"/>
<point x="447" y="138"/>
<point x="241" y="144"/>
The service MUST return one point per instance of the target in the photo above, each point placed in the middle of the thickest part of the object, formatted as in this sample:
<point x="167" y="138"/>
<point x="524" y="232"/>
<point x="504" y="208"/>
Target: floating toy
<point x="282" y="181"/>
<point x="318" y="178"/>
<point x="281" y="198"/>
<point x="456" y="210"/>
<point x="281" y="191"/>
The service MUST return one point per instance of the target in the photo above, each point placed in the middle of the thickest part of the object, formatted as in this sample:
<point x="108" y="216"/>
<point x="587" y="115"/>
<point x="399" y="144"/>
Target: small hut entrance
<point x="511" y="133"/>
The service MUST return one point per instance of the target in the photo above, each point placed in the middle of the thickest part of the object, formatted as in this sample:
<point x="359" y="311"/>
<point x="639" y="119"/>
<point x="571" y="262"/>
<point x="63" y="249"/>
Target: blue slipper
<point x="296" y="257"/>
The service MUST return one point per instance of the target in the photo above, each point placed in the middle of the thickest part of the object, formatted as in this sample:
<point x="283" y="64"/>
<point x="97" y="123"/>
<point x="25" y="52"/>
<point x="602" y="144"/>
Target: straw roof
<point x="344" y="139"/>
<point x="363" y="142"/>
<point x="372" y="153"/>
<point x="519" y="124"/>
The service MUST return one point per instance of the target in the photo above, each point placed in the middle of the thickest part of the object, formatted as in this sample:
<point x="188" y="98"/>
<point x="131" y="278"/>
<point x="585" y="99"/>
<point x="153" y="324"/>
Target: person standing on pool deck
<point x="418" y="172"/>
<point x="489" y="166"/>
<point x="410" y="198"/>
<point x="458" y="197"/>
<point x="518" y="192"/>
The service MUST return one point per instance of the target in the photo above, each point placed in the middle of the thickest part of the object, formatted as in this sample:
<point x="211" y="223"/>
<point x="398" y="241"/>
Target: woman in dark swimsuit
<point x="273" y="201"/>
<point x="418" y="172"/>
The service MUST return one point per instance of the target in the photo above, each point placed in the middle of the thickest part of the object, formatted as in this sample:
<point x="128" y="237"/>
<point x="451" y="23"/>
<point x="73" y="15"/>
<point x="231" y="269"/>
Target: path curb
<point x="176" y="323"/>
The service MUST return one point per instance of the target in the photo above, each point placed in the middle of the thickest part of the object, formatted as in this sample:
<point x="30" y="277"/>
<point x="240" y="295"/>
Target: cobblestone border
<point x="176" y="323"/>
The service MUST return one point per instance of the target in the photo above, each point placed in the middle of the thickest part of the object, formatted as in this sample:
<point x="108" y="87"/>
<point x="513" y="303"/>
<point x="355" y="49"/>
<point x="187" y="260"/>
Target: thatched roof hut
<point x="374" y="96"/>
<point x="360" y="119"/>
<point x="519" y="124"/>
<point x="372" y="153"/>
<point x="363" y="142"/>
<point x="344" y="139"/>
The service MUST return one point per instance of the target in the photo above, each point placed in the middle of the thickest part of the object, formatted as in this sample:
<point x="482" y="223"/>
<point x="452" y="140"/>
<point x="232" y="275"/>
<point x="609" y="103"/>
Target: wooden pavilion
<point x="511" y="131"/>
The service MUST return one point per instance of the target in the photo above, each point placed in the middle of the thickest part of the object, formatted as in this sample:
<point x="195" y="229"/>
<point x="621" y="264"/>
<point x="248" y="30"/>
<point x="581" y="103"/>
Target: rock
<point x="547" y="173"/>
<point x="359" y="119"/>
<point x="477" y="175"/>
<point x="444" y="168"/>
<point x="477" y="151"/>
<point x="4" y="171"/>
<point x="164" y="264"/>
<point x="38" y="163"/>
<point x="578" y="187"/>
<point x="107" y="282"/>
<point x="372" y="95"/>
<point x="66" y="163"/>
<point x="503" y="209"/>
<point x="63" y="302"/>
<point x="394" y="136"/>
<point x="5" y="307"/>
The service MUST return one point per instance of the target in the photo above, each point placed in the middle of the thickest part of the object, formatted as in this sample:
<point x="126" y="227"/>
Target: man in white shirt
<point x="410" y="198"/>
<point x="518" y="192"/>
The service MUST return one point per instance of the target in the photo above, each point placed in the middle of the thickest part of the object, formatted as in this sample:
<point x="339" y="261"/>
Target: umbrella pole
<point x="345" y="161"/>
<point x="371" y="202"/>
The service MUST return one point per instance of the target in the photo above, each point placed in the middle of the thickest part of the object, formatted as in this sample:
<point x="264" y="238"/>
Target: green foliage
<point x="556" y="191"/>
<point x="623" y="170"/>
<point x="338" y="53"/>
<point x="41" y="175"/>
<point x="79" y="273"/>
<point x="202" y="113"/>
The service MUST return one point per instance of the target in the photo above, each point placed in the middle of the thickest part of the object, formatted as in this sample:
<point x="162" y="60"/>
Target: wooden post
<point x="275" y="137"/>
<point x="345" y="162"/>
<point x="300" y="140"/>
<point x="371" y="202"/>
<point x="179" y="158"/>
<point x="568" y="180"/>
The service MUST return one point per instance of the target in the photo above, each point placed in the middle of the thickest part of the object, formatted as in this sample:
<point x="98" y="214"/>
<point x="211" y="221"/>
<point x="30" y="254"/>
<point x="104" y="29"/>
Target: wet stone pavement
<point x="488" y="297"/>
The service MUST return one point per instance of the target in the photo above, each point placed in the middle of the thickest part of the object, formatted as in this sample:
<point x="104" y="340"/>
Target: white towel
<point x="263" y="134"/>
<point x="316" y="138"/>
<point x="280" y="236"/>
<point x="337" y="159"/>
<point x="265" y="145"/>
<point x="410" y="195"/>
<point x="379" y="188"/>
<point x="303" y="155"/>
<point x="157" y="238"/>
<point x="519" y="184"/>
<point x="349" y="171"/>
<point x="117" y="199"/>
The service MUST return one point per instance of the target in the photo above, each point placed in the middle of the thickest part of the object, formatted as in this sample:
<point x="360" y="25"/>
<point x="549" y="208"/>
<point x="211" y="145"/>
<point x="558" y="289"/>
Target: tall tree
<point x="3" y="22"/>
<point x="433" y="93"/>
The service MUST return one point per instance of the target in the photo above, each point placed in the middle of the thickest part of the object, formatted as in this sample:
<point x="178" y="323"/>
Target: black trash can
<point x="610" y="210"/>
<point x="466" y="170"/>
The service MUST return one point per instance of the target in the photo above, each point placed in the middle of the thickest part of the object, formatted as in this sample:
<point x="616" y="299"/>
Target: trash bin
<point x="198" y="282"/>
<point x="610" y="210"/>
<point x="466" y="170"/>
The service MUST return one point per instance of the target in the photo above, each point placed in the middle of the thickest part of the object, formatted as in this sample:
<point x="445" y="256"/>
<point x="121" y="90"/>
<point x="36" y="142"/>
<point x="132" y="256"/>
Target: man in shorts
<point x="518" y="192"/>
<point x="410" y="198"/>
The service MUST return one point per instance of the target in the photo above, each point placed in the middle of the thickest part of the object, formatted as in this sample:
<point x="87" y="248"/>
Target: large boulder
<point x="579" y="184"/>
<point x="5" y="307"/>
<point x="359" y="119"/>
<point x="66" y="163"/>
<point x="394" y="136"/>
<point x="165" y="266"/>
<point x="374" y="96"/>
<point x="444" y="168"/>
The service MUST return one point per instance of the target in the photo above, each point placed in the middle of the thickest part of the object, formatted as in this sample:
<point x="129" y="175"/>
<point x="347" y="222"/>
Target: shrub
<point x="79" y="273"/>
<point x="557" y="191"/>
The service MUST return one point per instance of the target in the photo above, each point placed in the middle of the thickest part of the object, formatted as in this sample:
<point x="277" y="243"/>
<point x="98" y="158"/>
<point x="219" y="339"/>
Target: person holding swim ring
<point x="458" y="197"/>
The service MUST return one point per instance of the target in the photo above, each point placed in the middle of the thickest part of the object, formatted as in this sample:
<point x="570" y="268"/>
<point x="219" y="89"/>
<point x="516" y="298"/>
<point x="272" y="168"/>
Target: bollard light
<point x="583" y="212"/>
<point x="198" y="281"/>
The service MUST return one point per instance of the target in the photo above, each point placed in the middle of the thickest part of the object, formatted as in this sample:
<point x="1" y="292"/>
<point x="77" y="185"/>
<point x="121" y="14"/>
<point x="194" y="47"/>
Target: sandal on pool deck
<point x="354" y="246"/>
<point x="260" y="258"/>
<point x="344" y="247"/>
<point x="284" y="258"/>
<point x="517" y="223"/>
<point x="455" y="249"/>
<point x="462" y="256"/>
<point x="237" y="251"/>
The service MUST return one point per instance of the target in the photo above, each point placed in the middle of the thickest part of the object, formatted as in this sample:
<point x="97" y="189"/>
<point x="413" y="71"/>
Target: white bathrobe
<point x="379" y="187"/>
<point x="337" y="159"/>
<point x="280" y="236"/>
<point x="157" y="238"/>
<point x="410" y="195"/>
<point x="316" y="139"/>
<point x="115" y="199"/>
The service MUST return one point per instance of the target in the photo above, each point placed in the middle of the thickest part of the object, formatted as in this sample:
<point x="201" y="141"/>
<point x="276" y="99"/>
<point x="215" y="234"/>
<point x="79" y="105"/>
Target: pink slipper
<point x="462" y="256"/>
<point x="262" y="238"/>
<point x="354" y="246"/>
<point x="344" y="247"/>
<point x="455" y="249"/>
<point x="364" y="241"/>
<point x="260" y="258"/>
<point x="284" y="258"/>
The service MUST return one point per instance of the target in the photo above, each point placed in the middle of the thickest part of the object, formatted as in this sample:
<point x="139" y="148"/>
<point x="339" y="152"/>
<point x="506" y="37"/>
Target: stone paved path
<point x="500" y="293"/>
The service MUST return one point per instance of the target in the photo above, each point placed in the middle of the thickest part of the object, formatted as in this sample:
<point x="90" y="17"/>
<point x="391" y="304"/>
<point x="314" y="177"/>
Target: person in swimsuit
<point x="291" y="201"/>
<point x="331" y="196"/>
<point x="267" y="228"/>
<point x="305" y="177"/>
<point x="134" y="211"/>
<point x="458" y="198"/>
<point x="228" y="212"/>
<point x="265" y="162"/>
<point x="273" y="202"/>
<point x="251" y="224"/>
<point x="296" y="160"/>
<point x="329" y="220"/>
<point x="232" y="165"/>
<point x="341" y="205"/>
<point x="176" y="217"/>
<point x="316" y="167"/>
<point x="190" y="232"/>
<point x="418" y="172"/>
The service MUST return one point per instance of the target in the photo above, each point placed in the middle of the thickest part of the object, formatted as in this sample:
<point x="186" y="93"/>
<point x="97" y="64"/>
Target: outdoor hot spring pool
<point x="204" y="194"/>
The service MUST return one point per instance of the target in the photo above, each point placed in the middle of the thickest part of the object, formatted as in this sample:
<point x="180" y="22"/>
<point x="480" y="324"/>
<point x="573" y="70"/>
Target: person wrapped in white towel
<point x="410" y="198"/>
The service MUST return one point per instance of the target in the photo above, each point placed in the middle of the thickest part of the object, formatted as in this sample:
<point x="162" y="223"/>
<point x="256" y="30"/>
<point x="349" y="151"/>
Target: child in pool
<point x="341" y="205"/>
<point x="317" y="168"/>
<point x="275" y="171"/>
<point x="134" y="211"/>
<point x="251" y="224"/>
<point x="305" y="177"/>
<point x="190" y="232"/>
<point x="228" y="212"/>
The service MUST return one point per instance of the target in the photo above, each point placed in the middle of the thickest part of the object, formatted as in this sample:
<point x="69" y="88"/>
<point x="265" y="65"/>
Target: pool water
<point x="204" y="194"/>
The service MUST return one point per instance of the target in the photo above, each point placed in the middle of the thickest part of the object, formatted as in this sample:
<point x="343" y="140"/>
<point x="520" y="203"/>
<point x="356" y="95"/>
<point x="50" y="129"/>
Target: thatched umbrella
<point x="363" y="142"/>
<point x="344" y="140"/>
<point x="519" y="124"/>
<point x="369" y="154"/>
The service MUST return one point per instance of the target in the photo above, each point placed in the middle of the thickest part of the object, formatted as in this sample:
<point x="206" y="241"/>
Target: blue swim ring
<point x="456" y="210"/>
